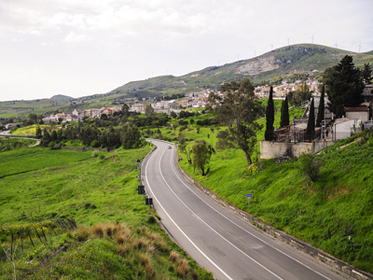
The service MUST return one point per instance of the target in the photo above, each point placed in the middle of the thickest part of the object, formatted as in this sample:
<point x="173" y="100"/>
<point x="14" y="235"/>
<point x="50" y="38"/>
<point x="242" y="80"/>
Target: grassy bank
<point x="39" y="186"/>
<point x="335" y="213"/>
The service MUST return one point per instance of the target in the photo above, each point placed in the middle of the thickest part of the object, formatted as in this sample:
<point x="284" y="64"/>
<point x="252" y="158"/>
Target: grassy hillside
<point x="335" y="213"/>
<point x="115" y="238"/>
<point x="278" y="62"/>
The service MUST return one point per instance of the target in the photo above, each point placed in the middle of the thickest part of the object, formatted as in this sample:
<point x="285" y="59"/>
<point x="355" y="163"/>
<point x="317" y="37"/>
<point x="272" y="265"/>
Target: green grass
<point x="13" y="143"/>
<point x="39" y="184"/>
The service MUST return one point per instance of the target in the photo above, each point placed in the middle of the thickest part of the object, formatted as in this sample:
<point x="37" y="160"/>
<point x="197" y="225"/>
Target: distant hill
<point x="276" y="63"/>
<point x="60" y="97"/>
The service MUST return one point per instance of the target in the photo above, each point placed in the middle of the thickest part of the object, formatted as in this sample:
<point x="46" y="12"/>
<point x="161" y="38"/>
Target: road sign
<point x="149" y="201"/>
<point x="141" y="189"/>
<point x="249" y="196"/>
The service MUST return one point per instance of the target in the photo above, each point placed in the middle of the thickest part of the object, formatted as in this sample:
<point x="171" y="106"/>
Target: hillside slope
<point x="335" y="213"/>
<point x="278" y="62"/>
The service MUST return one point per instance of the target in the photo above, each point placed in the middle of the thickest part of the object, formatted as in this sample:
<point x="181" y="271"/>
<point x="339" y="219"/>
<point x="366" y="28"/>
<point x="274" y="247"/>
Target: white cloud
<point x="130" y="39"/>
<point x="73" y="37"/>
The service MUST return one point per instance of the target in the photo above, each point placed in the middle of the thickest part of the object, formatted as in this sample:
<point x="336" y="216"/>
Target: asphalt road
<point x="214" y="236"/>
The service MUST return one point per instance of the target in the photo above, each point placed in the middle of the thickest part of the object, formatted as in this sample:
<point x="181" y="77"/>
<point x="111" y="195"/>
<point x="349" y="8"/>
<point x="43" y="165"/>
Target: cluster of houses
<point x="191" y="100"/>
<point x="282" y="90"/>
<point x="77" y="115"/>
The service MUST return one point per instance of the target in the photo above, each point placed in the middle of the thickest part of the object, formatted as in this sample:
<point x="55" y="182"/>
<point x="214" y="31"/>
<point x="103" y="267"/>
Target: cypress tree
<point x="270" y="117"/>
<point x="284" y="113"/>
<point x="311" y="120"/>
<point x="320" y="113"/>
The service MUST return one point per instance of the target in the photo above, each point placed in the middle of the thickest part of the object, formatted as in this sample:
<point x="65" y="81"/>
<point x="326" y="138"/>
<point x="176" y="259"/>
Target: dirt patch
<point x="114" y="159"/>
<point x="337" y="191"/>
<point x="344" y="146"/>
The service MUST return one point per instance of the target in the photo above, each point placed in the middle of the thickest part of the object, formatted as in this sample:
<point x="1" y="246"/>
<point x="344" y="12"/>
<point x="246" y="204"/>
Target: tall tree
<point x="284" y="113"/>
<point x="38" y="133"/>
<point x="301" y="94"/>
<point x="201" y="156"/>
<point x="311" y="120"/>
<point x="367" y="73"/>
<point x="238" y="111"/>
<point x="321" y="111"/>
<point x="149" y="110"/>
<point x="344" y="86"/>
<point x="125" y="110"/>
<point x="270" y="117"/>
<point x="130" y="135"/>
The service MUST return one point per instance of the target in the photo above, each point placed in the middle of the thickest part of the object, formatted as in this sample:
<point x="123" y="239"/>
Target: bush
<point x="102" y="157"/>
<point x="151" y="220"/>
<point x="82" y="234"/>
<point x="310" y="166"/>
<point x="95" y="154"/>
<point x="51" y="145"/>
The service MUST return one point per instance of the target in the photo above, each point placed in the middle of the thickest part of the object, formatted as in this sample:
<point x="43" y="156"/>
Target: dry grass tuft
<point x="195" y="275"/>
<point x="154" y="236"/>
<point x="161" y="245"/>
<point x="82" y="234"/>
<point x="144" y="259"/>
<point x="124" y="249"/>
<point x="109" y="230"/>
<point x="149" y="271"/>
<point x="140" y="243"/>
<point x="174" y="256"/>
<point x="98" y="231"/>
<point x="182" y="268"/>
<point x="151" y="249"/>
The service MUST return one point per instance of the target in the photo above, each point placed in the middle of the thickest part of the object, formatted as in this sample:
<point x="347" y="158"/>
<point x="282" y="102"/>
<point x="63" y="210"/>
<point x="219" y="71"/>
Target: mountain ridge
<point x="278" y="62"/>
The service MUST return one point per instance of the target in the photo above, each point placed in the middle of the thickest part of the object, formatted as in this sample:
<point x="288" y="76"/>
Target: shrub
<point x="310" y="166"/>
<point x="102" y="157"/>
<point x="82" y="234"/>
<point x="95" y="154"/>
<point x="151" y="220"/>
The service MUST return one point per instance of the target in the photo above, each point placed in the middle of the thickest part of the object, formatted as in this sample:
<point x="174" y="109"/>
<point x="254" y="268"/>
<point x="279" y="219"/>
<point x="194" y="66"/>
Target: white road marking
<point x="146" y="176"/>
<point x="226" y="240"/>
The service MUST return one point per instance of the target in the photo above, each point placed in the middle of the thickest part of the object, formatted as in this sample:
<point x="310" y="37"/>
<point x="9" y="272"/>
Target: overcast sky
<point x="82" y="47"/>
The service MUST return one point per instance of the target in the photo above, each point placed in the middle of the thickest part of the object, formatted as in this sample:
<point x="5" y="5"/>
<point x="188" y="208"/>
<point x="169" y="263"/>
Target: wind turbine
<point x="271" y="46"/>
<point x="336" y="45"/>
<point x="359" y="47"/>
<point x="288" y="40"/>
<point x="312" y="38"/>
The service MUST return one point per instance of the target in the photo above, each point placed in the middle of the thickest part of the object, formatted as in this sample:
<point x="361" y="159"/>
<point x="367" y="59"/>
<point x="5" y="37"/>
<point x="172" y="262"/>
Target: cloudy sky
<point x="82" y="47"/>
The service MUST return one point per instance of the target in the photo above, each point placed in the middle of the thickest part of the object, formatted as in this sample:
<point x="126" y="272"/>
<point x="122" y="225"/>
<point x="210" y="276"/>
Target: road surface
<point x="214" y="236"/>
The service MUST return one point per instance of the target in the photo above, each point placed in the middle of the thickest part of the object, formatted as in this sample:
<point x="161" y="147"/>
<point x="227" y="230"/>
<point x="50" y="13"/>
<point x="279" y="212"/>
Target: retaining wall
<point x="271" y="149"/>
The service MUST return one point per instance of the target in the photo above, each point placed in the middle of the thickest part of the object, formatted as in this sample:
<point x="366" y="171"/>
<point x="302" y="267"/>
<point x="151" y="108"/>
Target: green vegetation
<point x="114" y="239"/>
<point x="14" y="143"/>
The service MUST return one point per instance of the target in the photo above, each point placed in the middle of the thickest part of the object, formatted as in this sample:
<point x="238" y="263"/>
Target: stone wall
<point x="269" y="149"/>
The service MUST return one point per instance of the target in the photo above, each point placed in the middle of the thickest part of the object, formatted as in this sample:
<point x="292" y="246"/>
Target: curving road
<point x="215" y="237"/>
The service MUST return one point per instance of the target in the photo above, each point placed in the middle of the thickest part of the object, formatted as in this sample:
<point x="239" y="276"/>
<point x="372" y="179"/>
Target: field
<point x="115" y="237"/>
